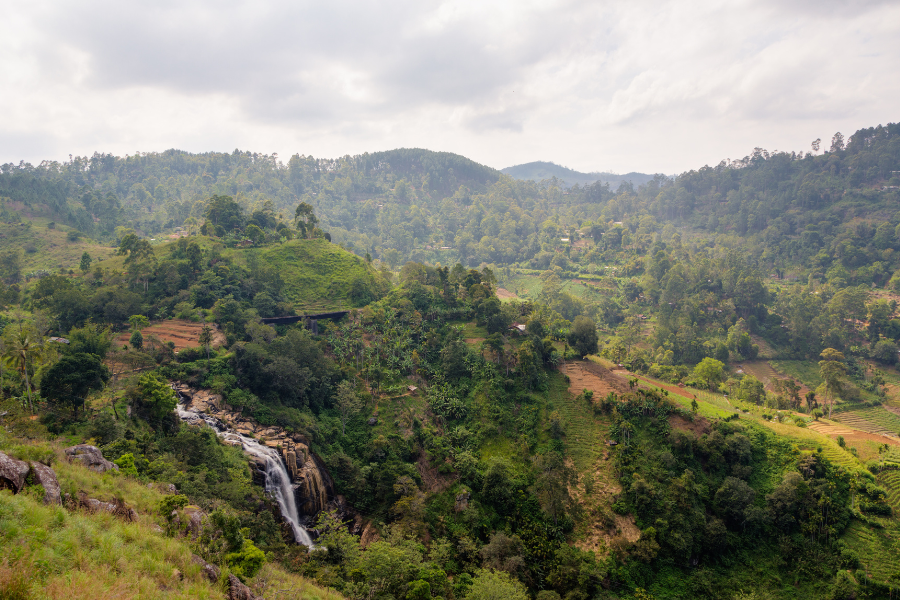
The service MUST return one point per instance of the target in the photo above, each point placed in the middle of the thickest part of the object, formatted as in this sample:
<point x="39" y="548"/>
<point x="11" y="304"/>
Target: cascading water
<point x="278" y="482"/>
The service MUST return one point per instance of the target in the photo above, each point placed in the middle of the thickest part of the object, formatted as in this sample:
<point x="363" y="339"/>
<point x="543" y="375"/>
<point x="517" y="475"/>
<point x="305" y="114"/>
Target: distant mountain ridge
<point x="540" y="170"/>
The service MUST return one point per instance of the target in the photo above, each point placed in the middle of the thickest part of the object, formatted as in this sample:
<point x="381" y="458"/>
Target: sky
<point x="595" y="86"/>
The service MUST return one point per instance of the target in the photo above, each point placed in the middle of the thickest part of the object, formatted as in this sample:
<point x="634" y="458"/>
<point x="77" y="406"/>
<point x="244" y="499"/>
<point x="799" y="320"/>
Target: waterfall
<point x="278" y="482"/>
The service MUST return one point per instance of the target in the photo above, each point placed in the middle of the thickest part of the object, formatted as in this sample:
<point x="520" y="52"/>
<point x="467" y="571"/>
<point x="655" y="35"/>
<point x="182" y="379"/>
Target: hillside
<point x="82" y="551"/>
<point x="540" y="170"/>
<point x="318" y="276"/>
<point x="690" y="390"/>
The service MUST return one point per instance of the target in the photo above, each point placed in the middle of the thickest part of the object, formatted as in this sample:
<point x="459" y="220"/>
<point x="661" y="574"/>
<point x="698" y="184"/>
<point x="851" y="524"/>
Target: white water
<point x="278" y="482"/>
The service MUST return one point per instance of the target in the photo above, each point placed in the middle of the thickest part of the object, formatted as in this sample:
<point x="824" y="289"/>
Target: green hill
<point x="319" y="276"/>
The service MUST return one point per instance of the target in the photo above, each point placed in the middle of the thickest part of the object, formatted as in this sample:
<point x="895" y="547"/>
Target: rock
<point x="196" y="518"/>
<point x="462" y="501"/>
<point x="117" y="507"/>
<point x="44" y="476"/>
<point x="210" y="571"/>
<point x="373" y="421"/>
<point x="91" y="457"/>
<point x="239" y="591"/>
<point x="12" y="473"/>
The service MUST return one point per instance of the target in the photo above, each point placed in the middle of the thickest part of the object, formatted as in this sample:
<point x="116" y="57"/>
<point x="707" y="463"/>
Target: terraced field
<point x="874" y="419"/>
<point x="876" y="554"/>
<point x="585" y="435"/>
<point x="890" y="480"/>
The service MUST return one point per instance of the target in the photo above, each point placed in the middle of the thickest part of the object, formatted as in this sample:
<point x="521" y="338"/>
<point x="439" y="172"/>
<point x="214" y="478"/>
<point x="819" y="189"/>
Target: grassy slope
<point x="51" y="552"/>
<point x="44" y="248"/>
<point x="318" y="274"/>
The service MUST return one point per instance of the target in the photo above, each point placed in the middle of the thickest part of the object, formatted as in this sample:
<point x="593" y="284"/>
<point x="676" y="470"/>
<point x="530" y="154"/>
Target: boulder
<point x="91" y="457"/>
<point x="210" y="571"/>
<point x="117" y="507"/>
<point x="12" y="473"/>
<point x="462" y="501"/>
<point x="239" y="591"/>
<point x="43" y="475"/>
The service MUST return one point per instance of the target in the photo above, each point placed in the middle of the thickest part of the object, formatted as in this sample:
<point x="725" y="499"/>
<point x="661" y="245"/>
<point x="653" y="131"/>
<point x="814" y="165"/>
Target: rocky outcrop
<point x="117" y="507"/>
<point x="462" y="501"/>
<point x="313" y="486"/>
<point x="12" y="473"/>
<point x="16" y="474"/>
<point x="45" y="476"/>
<point x="239" y="591"/>
<point x="91" y="457"/>
<point x="210" y="571"/>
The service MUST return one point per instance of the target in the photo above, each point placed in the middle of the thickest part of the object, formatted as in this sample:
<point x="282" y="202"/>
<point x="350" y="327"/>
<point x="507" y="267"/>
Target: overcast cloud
<point x="643" y="86"/>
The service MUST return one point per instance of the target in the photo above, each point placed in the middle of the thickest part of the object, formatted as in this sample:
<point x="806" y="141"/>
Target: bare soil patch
<point x="505" y="294"/>
<point x="698" y="426"/>
<point x="182" y="333"/>
<point x="588" y="375"/>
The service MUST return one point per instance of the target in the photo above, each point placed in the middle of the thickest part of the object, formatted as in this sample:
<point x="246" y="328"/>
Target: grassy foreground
<point x="51" y="552"/>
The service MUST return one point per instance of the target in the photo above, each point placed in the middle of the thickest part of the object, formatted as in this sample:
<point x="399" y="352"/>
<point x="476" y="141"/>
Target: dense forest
<point x="683" y="389"/>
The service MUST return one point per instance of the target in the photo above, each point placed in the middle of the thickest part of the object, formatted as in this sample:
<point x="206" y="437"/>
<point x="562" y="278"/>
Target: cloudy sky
<point x="621" y="86"/>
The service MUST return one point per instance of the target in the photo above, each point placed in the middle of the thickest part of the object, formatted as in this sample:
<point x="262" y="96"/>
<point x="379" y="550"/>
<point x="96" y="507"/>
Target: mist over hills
<point x="540" y="170"/>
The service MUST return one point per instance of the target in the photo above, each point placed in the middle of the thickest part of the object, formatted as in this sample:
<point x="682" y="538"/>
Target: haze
<point x="625" y="86"/>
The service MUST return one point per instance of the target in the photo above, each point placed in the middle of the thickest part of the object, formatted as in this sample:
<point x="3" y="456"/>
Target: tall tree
<point x="72" y="377"/>
<point x="833" y="371"/>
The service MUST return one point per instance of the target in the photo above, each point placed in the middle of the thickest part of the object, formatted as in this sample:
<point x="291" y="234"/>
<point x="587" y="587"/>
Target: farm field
<point x="182" y="333"/>
<point x="890" y="480"/>
<point x="875" y="549"/>
<point x="875" y="419"/>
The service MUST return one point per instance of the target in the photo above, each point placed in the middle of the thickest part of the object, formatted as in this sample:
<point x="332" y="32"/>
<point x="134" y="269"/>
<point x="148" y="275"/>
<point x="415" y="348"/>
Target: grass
<point x="50" y="249"/>
<point x="318" y="275"/>
<point x="805" y="371"/>
<point x="474" y="331"/>
<point x="51" y="552"/>
<point x="583" y="432"/>
<point x="876" y="553"/>
<point x="524" y="286"/>
<point x="890" y="480"/>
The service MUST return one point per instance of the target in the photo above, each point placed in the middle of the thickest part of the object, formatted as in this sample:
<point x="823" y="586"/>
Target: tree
<point x="24" y="347"/>
<point x="90" y="339"/>
<point x="156" y="396"/>
<point x="552" y="484"/>
<point x="583" y="336"/>
<point x="833" y="370"/>
<point x="496" y="585"/>
<point x="305" y="220"/>
<point x="138" y="322"/>
<point x="71" y="378"/>
<point x="347" y="403"/>
<point x="205" y="340"/>
<point x="225" y="214"/>
<point x="85" y="262"/>
<point x="709" y="370"/>
<point x="136" y="340"/>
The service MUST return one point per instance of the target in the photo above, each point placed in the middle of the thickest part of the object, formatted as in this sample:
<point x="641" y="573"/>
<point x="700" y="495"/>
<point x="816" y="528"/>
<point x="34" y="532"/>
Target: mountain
<point x="540" y="170"/>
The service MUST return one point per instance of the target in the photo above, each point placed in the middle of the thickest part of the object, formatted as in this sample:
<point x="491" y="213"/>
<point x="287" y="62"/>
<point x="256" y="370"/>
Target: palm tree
<point x="23" y="348"/>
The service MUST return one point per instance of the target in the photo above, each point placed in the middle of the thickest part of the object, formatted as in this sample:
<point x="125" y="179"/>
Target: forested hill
<point x="433" y="207"/>
<point x="540" y="170"/>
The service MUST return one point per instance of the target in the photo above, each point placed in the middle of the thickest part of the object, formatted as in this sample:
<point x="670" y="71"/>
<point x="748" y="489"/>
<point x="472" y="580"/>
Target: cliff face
<point x="312" y="485"/>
